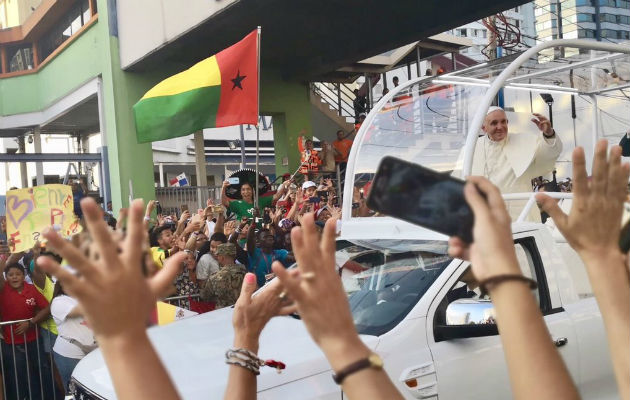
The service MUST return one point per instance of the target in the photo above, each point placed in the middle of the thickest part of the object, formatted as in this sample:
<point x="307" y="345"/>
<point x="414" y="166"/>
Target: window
<point x="461" y="32"/>
<point x="68" y="25"/>
<point x="466" y="290"/>
<point x="584" y="3"/>
<point x="586" y="33"/>
<point x="20" y="57"/>
<point x="581" y="17"/>
<point x="485" y="33"/>
<point x="607" y="18"/>
<point x="623" y="19"/>
<point x="384" y="279"/>
<point x="623" y="4"/>
<point x="623" y="34"/>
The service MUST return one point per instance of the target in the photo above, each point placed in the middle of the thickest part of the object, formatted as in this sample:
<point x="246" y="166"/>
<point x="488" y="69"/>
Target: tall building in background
<point x="521" y="18"/>
<point x="605" y="20"/>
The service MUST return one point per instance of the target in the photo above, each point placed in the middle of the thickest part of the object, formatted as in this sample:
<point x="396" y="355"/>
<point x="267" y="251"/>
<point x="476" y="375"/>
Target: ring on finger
<point x="282" y="295"/>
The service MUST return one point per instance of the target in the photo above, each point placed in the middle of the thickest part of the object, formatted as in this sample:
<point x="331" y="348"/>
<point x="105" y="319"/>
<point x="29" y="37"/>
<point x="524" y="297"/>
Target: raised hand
<point x="107" y="284"/>
<point x="593" y="226"/>
<point x="321" y="300"/>
<point x="543" y="124"/>
<point x="117" y="299"/>
<point x="492" y="252"/>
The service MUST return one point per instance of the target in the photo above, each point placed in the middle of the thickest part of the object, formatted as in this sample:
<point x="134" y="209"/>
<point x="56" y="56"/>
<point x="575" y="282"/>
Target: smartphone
<point x="421" y="196"/>
<point x="184" y="207"/>
<point x="314" y="199"/>
<point x="234" y="181"/>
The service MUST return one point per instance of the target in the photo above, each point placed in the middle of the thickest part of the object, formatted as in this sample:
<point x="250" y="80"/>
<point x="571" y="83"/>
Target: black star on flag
<point x="237" y="80"/>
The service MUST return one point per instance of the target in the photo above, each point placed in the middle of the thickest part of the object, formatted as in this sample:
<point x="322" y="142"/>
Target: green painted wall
<point x="77" y="64"/>
<point x="128" y="160"/>
<point x="289" y="104"/>
<point x="96" y="53"/>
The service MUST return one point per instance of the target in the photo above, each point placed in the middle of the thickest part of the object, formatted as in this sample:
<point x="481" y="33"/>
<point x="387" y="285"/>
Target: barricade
<point x="28" y="370"/>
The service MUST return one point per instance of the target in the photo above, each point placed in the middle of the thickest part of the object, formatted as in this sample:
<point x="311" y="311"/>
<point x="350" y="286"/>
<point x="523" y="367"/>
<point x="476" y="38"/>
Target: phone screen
<point x="234" y="181"/>
<point x="421" y="196"/>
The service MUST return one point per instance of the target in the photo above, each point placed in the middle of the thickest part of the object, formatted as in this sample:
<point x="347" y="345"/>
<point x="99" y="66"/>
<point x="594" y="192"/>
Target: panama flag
<point x="179" y="180"/>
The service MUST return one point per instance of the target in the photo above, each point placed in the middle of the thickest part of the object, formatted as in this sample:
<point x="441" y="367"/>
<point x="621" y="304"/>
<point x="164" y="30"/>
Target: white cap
<point x="308" y="184"/>
<point x="493" y="109"/>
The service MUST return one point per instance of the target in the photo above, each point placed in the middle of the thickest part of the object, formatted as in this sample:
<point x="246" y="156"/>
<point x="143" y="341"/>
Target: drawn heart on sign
<point x="14" y="206"/>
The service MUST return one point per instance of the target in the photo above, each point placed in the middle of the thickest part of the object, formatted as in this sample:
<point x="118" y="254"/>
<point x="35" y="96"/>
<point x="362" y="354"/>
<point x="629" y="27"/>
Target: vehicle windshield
<point x="385" y="279"/>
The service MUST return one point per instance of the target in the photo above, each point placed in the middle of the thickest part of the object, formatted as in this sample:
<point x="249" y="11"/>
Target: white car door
<point x="474" y="367"/>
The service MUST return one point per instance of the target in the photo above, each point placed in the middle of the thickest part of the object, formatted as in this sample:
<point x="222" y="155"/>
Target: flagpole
<point x="257" y="118"/>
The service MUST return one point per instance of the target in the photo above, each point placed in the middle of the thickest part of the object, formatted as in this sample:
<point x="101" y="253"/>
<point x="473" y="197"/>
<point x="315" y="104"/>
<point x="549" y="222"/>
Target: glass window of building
<point x="586" y="33"/>
<point x="20" y="57"/>
<point x="581" y="17"/>
<point x="623" y="19"/>
<point x="623" y="4"/>
<point x="69" y="24"/>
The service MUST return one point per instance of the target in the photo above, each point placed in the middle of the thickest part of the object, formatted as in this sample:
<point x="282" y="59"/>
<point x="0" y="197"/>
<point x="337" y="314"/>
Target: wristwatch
<point x="550" y="136"/>
<point x="372" y="361"/>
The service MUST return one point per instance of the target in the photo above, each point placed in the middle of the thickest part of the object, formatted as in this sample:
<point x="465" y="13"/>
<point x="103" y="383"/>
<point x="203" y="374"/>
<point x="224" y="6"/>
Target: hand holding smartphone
<point x="421" y="196"/>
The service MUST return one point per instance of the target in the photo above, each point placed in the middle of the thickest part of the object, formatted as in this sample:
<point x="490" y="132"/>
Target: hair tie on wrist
<point x="487" y="284"/>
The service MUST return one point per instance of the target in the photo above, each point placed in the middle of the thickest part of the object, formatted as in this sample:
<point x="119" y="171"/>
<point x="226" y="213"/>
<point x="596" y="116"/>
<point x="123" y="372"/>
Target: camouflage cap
<point x="226" y="249"/>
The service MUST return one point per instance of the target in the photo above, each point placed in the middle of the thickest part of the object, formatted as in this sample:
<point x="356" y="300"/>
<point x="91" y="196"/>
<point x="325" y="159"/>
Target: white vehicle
<point x="410" y="301"/>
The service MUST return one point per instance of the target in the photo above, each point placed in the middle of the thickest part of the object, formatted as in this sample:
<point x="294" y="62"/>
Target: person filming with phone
<point x="510" y="161"/>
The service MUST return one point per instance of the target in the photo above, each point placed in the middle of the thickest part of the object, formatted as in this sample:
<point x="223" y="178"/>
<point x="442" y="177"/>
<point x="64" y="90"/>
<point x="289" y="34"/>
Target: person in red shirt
<point x="22" y="301"/>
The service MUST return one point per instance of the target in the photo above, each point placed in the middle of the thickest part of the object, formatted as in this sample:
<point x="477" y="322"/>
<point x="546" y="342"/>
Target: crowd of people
<point x="113" y="273"/>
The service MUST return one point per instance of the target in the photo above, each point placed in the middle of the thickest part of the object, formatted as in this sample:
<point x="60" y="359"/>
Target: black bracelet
<point x="488" y="283"/>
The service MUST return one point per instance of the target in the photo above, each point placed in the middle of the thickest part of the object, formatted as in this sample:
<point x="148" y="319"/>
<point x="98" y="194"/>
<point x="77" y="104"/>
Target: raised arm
<point x="105" y="288"/>
<point x="38" y="276"/>
<point x="323" y="305"/>
<point x="592" y="228"/>
<point x="535" y="368"/>
<point x="284" y="188"/>
<point x="251" y="239"/>
<point x="224" y="199"/>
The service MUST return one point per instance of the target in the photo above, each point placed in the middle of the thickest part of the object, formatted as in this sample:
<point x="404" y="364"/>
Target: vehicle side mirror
<point x="466" y="318"/>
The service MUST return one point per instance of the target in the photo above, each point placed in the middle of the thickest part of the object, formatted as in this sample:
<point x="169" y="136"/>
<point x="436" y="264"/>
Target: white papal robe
<point x="512" y="163"/>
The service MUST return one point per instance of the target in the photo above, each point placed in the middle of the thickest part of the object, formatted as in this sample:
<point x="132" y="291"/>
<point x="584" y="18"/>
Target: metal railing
<point x="28" y="369"/>
<point x="339" y="96"/>
<point x="181" y="301"/>
<point x="194" y="197"/>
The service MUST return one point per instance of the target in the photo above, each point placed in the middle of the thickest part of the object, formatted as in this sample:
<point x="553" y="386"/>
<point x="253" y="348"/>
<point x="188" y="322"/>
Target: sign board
<point x="30" y="210"/>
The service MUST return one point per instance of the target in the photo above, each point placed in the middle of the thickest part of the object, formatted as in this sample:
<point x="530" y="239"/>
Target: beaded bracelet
<point x="488" y="283"/>
<point x="250" y="361"/>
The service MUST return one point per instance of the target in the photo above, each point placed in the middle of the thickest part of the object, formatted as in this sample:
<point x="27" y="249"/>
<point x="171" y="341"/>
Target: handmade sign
<point x="31" y="210"/>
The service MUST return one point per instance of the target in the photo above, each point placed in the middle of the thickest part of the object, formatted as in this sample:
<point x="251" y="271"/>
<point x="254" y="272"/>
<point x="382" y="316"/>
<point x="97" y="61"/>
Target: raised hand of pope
<point x="543" y="124"/>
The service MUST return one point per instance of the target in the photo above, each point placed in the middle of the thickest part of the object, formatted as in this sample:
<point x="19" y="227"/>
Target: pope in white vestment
<point x="511" y="161"/>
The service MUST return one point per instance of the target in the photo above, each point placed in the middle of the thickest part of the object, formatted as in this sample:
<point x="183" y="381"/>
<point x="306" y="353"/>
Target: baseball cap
<point x="308" y="184"/>
<point x="227" y="249"/>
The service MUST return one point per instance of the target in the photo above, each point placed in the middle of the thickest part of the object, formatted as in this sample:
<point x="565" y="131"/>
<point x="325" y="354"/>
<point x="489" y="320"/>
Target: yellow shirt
<point x="158" y="255"/>
<point x="47" y="292"/>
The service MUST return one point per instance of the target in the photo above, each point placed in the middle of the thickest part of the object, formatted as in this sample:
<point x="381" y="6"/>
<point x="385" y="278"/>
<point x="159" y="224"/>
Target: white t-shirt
<point x="206" y="266"/>
<point x="71" y="328"/>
